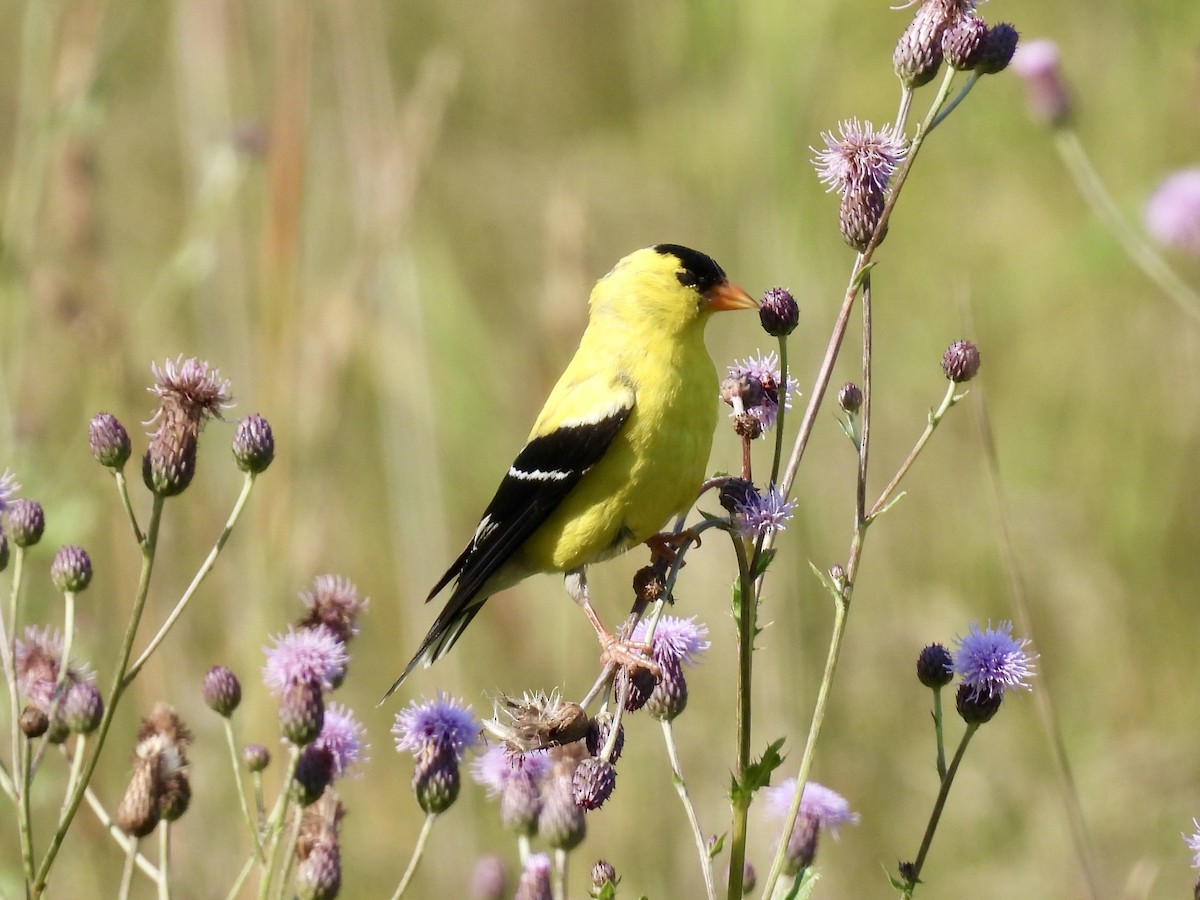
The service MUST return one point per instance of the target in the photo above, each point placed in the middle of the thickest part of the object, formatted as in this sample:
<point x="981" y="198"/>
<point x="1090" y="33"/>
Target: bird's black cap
<point x="699" y="269"/>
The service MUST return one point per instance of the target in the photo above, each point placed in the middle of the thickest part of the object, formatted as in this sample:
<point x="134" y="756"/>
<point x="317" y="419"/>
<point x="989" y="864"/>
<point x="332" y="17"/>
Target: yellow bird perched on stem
<point x="620" y="446"/>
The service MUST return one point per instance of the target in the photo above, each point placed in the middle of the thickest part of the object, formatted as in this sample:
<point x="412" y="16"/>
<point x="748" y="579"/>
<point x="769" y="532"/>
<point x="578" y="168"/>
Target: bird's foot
<point x="665" y="545"/>
<point x="628" y="655"/>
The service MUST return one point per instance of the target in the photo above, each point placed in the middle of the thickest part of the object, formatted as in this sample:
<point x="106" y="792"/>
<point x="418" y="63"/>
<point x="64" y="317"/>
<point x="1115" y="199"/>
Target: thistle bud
<point x="256" y="757"/>
<point x="850" y="397"/>
<point x="604" y="879"/>
<point x="859" y="214"/>
<point x="670" y="695"/>
<point x="998" y="49"/>
<point x="26" y="522"/>
<point x="34" y="721"/>
<point x="962" y="42"/>
<point x="976" y="707"/>
<point x="301" y="712"/>
<point x="935" y="666"/>
<point x="314" y="773"/>
<point x="779" y="312"/>
<point x="960" y="362"/>
<point x="599" y="730"/>
<point x="71" y="570"/>
<point x="109" y="441"/>
<point x="253" y="444"/>
<point x="918" y="53"/>
<point x="561" y="822"/>
<point x="641" y="683"/>
<point x="436" y="779"/>
<point x="593" y="782"/>
<point x="83" y="707"/>
<point x="222" y="691"/>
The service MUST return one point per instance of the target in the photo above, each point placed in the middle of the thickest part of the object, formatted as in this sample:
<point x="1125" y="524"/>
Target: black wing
<point x="541" y="476"/>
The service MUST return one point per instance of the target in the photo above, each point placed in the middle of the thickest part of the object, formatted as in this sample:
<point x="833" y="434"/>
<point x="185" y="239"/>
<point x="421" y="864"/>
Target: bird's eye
<point x="687" y="278"/>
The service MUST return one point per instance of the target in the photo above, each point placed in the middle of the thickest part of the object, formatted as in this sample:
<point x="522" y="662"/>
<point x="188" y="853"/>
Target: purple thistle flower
<point x="442" y="722"/>
<point x="676" y="640"/>
<point x="1173" y="212"/>
<point x="1037" y="65"/>
<point x="333" y="602"/>
<point x="535" y="879"/>
<point x="762" y="375"/>
<point x="859" y="157"/>
<point x="304" y="656"/>
<point x="1193" y="843"/>
<point x="8" y="487"/>
<point x="38" y="662"/>
<point x="829" y="808"/>
<point x="755" y="513"/>
<point x="992" y="661"/>
<point x="498" y="766"/>
<point x="344" y="737"/>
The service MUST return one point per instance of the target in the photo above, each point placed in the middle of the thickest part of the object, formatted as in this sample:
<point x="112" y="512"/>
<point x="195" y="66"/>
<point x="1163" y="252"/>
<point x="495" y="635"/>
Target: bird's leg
<point x="665" y="545"/>
<point x="622" y="652"/>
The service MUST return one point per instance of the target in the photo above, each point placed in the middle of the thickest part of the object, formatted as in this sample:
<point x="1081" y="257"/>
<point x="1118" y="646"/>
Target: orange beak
<point x="727" y="296"/>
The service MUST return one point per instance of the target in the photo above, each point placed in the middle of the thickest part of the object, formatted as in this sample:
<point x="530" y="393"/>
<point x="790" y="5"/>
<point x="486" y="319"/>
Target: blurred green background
<point x="381" y="222"/>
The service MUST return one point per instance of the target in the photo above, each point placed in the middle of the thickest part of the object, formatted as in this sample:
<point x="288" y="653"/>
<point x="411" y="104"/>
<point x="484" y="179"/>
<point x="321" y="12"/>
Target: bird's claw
<point x="665" y="545"/>
<point x="628" y="655"/>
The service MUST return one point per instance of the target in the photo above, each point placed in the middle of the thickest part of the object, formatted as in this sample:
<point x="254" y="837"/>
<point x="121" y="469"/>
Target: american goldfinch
<point x="620" y="446"/>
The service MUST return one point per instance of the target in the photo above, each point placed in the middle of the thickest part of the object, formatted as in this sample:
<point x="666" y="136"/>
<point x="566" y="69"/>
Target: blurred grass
<point x="381" y="223"/>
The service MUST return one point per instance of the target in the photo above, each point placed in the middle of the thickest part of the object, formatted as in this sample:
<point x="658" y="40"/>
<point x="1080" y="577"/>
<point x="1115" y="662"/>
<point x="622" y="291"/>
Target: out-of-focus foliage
<point x="381" y="220"/>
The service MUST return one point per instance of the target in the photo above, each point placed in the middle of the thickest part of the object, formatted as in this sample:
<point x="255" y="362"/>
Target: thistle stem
<point x="935" y="419"/>
<point x="747" y="618"/>
<point x="418" y="852"/>
<point x="149" y="548"/>
<point x="936" y="815"/>
<point x="241" y="791"/>
<point x="690" y="809"/>
<point x="1136" y="247"/>
<point x="201" y="574"/>
<point x="164" y="861"/>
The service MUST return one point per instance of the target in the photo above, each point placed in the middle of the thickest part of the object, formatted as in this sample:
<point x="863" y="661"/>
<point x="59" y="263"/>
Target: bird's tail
<point x="441" y="637"/>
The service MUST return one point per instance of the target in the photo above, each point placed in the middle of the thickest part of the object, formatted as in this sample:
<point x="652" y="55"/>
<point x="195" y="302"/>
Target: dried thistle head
<point x="189" y="395"/>
<point x="333" y="601"/>
<point x="537" y="721"/>
<point x="159" y="788"/>
<point x="318" y="855"/>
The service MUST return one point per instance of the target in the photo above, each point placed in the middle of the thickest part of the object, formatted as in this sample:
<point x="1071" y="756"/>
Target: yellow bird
<point x="620" y="446"/>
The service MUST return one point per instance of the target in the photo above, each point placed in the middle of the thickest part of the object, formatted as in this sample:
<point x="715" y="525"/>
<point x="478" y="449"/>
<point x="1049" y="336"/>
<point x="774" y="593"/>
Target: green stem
<point x="935" y="419"/>
<point x="201" y="574"/>
<point x="953" y="104"/>
<point x="936" y="815"/>
<point x="123" y="493"/>
<point x="275" y="822"/>
<point x="690" y="809"/>
<point x="60" y="686"/>
<point x="164" y="861"/>
<point x="241" y="791"/>
<point x="818" y="717"/>
<point x="939" y="732"/>
<point x="779" y="416"/>
<point x="127" y="873"/>
<point x="561" y="867"/>
<point x="418" y="852"/>
<point x="25" y="818"/>
<point x="747" y="626"/>
<point x="289" y="863"/>
<point x="236" y="889"/>
<point x="149" y="547"/>
<point x="1149" y="260"/>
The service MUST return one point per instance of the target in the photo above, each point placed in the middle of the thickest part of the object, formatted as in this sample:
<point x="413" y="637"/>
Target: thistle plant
<point x="950" y="47"/>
